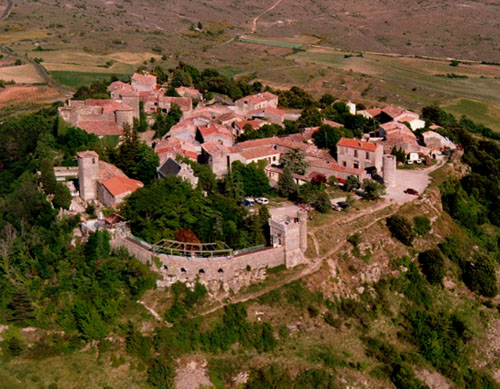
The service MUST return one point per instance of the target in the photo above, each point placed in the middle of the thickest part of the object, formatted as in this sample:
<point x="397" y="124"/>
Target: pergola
<point x="189" y="249"/>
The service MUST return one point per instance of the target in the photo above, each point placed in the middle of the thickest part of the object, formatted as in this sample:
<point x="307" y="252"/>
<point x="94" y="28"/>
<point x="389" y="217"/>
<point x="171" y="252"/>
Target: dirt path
<point x="256" y="19"/>
<point x="311" y="268"/>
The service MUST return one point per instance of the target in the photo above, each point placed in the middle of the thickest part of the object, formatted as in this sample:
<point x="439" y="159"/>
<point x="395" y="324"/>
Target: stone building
<point x="102" y="181"/>
<point x="290" y="232"/>
<point x="173" y="168"/>
<point x="357" y="154"/>
<point x="258" y="101"/>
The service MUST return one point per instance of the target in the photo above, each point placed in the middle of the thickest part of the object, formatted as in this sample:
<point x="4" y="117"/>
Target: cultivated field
<point x="23" y="74"/>
<point x="18" y="94"/>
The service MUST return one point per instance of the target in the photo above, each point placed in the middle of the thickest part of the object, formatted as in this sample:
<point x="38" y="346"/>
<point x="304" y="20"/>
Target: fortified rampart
<point x="288" y="238"/>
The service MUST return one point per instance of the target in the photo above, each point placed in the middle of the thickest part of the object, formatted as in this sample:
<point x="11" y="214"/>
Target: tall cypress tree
<point x="21" y="308"/>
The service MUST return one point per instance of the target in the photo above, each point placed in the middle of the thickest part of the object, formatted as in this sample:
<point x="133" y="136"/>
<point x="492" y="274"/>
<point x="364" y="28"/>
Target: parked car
<point x="335" y="207"/>
<point x="262" y="200"/>
<point x="343" y="205"/>
<point x="248" y="202"/>
<point x="411" y="191"/>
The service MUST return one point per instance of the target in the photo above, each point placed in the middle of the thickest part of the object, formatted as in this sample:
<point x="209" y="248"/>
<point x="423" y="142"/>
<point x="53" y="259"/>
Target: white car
<point x="262" y="200"/>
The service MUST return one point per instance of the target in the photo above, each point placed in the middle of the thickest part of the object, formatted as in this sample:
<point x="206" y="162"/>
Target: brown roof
<point x="255" y="124"/>
<point x="332" y="124"/>
<point x="87" y="154"/>
<point x="108" y="105"/>
<point x="107" y="171"/>
<point x="214" y="129"/>
<point x="393" y="111"/>
<point x="101" y="128"/>
<point x="214" y="148"/>
<point x="259" y="97"/>
<point x="144" y="79"/>
<point x="357" y="144"/>
<point x="259" y="152"/>
<point x="120" y="185"/>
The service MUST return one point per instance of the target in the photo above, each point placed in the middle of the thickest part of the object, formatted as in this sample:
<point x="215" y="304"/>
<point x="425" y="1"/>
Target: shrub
<point x="422" y="225"/>
<point x="480" y="276"/>
<point x="432" y="264"/>
<point x="401" y="229"/>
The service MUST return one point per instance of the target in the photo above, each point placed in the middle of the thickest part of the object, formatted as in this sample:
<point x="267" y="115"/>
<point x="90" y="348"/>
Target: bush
<point x="323" y="203"/>
<point x="480" y="276"/>
<point x="432" y="264"/>
<point x="62" y="197"/>
<point x="401" y="229"/>
<point x="422" y="225"/>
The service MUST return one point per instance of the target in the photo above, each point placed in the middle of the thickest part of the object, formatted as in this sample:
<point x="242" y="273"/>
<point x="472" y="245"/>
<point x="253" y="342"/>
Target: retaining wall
<point x="176" y="268"/>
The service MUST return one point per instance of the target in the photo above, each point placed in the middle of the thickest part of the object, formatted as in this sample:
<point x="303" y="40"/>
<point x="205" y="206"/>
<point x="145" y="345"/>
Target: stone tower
<point x="88" y="173"/>
<point x="290" y="232"/>
<point x="389" y="167"/>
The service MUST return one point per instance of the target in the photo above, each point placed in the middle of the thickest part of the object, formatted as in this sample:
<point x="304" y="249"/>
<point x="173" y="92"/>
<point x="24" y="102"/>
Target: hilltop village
<point x="288" y="148"/>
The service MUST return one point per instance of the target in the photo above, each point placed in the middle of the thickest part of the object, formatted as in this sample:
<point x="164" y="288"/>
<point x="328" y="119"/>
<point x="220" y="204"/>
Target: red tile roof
<point x="357" y="144"/>
<point x="144" y="79"/>
<point x="255" y="124"/>
<point x="120" y="185"/>
<point x="107" y="171"/>
<point x="101" y="128"/>
<point x="214" y="129"/>
<point x="259" y="152"/>
<point x="259" y="97"/>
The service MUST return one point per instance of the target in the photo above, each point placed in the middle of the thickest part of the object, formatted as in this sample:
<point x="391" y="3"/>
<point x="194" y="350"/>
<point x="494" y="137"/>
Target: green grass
<point x="266" y="42"/>
<point x="477" y="111"/>
<point x="77" y="79"/>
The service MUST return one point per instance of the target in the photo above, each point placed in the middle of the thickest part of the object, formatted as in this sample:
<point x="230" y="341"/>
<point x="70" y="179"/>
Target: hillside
<point x="468" y="30"/>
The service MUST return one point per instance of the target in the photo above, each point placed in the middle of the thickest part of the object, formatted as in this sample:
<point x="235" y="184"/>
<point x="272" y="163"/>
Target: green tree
<point x="253" y="178"/>
<point x="432" y="264"/>
<point x="401" y="229"/>
<point x="181" y="78"/>
<point x="352" y="183"/>
<point x="62" y="197"/>
<point x="135" y="158"/>
<point x="372" y="190"/>
<point x="48" y="177"/>
<point x="479" y="275"/>
<point x="323" y="203"/>
<point x="172" y="92"/>
<point x="21" y="308"/>
<point x="422" y="225"/>
<point x="286" y="184"/>
<point x="14" y="346"/>
<point x="310" y="117"/>
<point x="294" y="160"/>
<point x="326" y="100"/>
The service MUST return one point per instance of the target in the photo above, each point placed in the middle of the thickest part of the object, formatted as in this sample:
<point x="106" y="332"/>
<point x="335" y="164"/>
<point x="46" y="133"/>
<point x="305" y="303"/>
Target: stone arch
<point x="201" y="271"/>
<point x="183" y="270"/>
<point x="165" y="267"/>
<point x="220" y="270"/>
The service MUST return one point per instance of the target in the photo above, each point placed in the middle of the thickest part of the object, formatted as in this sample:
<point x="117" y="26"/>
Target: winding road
<point x="39" y="68"/>
<point x="256" y="19"/>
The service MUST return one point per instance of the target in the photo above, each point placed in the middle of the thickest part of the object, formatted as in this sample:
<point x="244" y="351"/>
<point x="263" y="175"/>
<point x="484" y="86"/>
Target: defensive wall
<point x="173" y="268"/>
<point x="288" y="240"/>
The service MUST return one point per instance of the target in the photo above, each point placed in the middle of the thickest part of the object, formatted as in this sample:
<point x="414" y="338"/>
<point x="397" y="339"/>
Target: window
<point x="344" y="163"/>
<point x="356" y="165"/>
<point x="274" y="158"/>
<point x="356" y="153"/>
<point x="367" y="155"/>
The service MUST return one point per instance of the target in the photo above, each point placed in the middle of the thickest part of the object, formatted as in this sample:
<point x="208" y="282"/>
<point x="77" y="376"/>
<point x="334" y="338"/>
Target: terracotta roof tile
<point x="120" y="185"/>
<point x="357" y="144"/>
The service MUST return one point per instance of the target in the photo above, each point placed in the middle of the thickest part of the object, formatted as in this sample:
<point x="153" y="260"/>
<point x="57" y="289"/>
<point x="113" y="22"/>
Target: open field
<point x="404" y="26"/>
<point x="76" y="79"/>
<point x="23" y="74"/>
<point x="488" y="115"/>
<point x="18" y="94"/>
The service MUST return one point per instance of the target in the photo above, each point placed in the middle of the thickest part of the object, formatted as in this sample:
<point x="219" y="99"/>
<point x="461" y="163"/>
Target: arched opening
<point x="183" y="270"/>
<point x="165" y="267"/>
<point x="220" y="270"/>
<point x="201" y="271"/>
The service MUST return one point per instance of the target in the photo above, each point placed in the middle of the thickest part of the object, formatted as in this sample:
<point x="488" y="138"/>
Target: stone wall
<point x="231" y="271"/>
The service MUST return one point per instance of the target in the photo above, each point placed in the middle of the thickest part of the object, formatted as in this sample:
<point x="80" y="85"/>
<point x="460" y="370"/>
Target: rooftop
<point x="357" y="144"/>
<point x="120" y="185"/>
